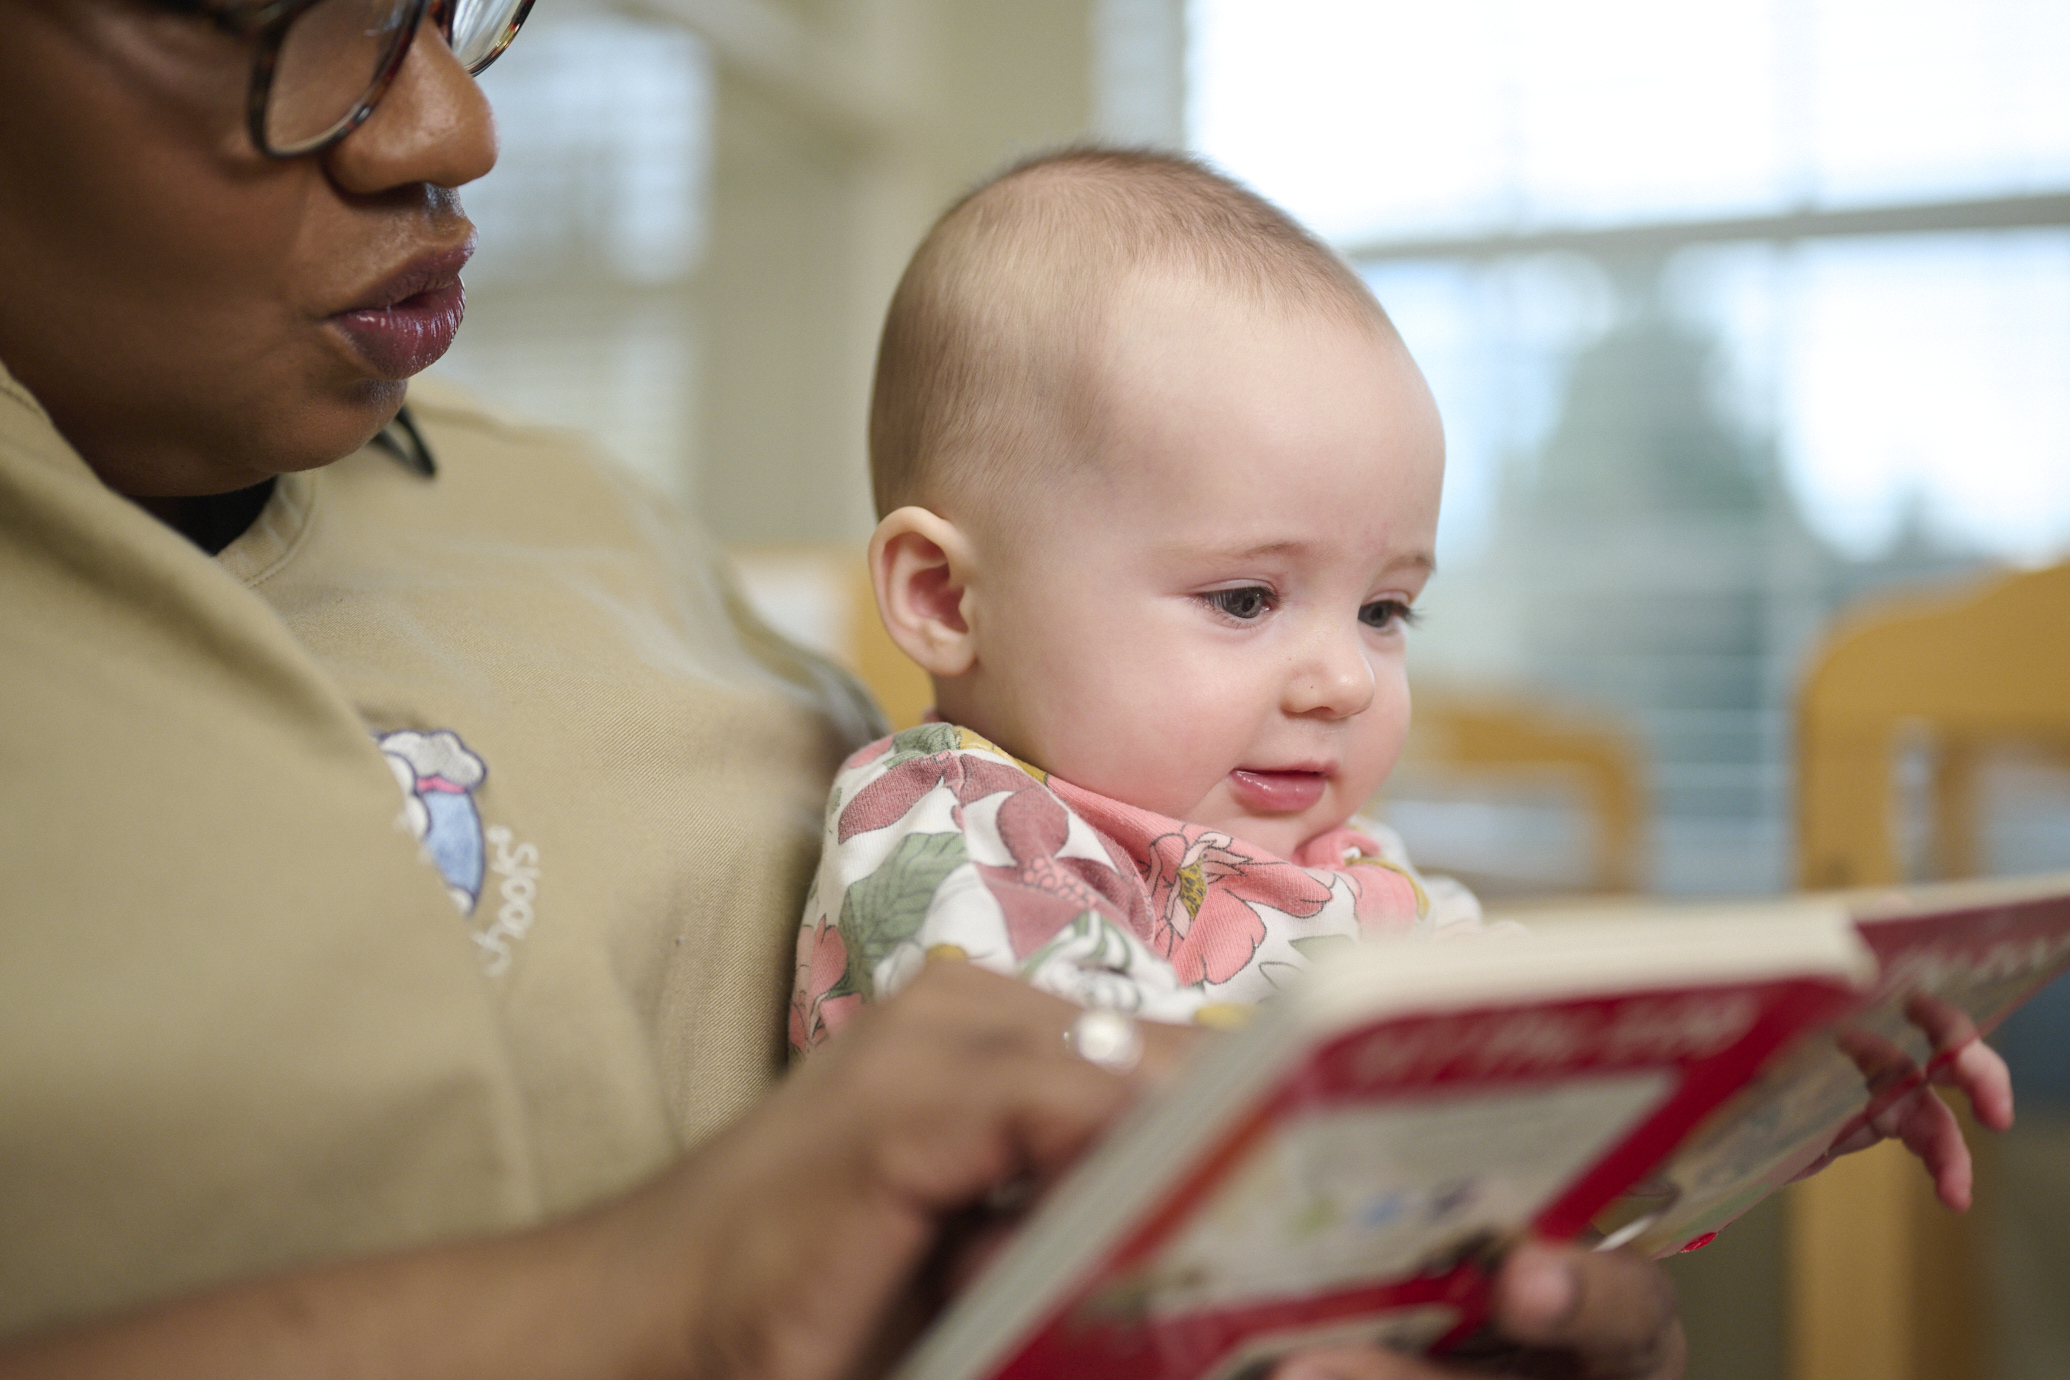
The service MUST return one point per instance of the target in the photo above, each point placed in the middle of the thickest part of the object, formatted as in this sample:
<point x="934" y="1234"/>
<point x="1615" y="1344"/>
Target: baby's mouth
<point x="1277" y="792"/>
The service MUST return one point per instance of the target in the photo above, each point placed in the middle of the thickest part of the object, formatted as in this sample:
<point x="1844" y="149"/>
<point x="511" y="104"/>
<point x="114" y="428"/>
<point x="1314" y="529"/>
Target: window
<point x="1735" y="311"/>
<point x="582" y="303"/>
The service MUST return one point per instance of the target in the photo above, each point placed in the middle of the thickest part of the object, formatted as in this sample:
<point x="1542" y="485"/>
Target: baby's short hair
<point x="984" y="349"/>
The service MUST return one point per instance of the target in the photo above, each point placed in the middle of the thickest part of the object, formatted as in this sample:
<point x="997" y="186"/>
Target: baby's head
<point x="1158" y="485"/>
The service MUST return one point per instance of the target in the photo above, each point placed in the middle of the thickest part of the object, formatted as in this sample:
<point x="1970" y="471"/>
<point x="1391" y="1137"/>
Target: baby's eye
<point x="1387" y="615"/>
<point x="1245" y="604"/>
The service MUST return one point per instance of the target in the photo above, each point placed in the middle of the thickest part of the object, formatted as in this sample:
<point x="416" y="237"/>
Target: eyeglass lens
<point x="331" y="58"/>
<point x="335" y="54"/>
<point x="481" y="29"/>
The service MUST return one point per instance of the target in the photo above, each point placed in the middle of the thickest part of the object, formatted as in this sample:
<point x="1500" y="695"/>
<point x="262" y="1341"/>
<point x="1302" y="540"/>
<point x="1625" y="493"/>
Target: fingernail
<point x="1543" y="1290"/>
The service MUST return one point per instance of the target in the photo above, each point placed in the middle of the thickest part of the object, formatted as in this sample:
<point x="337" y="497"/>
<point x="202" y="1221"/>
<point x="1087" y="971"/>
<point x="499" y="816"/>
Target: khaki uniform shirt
<point x="426" y="864"/>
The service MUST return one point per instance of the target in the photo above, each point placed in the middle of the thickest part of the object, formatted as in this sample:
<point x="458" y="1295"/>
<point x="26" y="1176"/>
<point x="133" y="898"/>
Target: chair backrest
<point x="1968" y="671"/>
<point x="820" y="595"/>
<point x="1884" y="1283"/>
<point x="1490" y="739"/>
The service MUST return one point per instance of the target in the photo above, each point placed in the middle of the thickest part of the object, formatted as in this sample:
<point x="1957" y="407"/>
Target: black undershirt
<point x="213" y="521"/>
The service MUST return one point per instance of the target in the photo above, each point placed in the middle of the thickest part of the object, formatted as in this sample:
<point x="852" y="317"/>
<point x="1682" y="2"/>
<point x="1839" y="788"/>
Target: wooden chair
<point x="821" y="596"/>
<point x="1884" y="1281"/>
<point x="1505" y="740"/>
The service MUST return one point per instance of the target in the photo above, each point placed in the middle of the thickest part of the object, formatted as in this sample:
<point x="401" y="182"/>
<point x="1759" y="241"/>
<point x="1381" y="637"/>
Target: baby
<point x="1159" y="489"/>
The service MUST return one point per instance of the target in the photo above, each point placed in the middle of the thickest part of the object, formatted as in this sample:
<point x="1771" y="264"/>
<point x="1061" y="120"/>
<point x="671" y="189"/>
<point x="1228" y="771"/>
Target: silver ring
<point x="1106" y="1038"/>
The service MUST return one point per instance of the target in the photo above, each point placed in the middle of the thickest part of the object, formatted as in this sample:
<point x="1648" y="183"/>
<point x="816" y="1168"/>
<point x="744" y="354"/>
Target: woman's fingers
<point x="964" y="1057"/>
<point x="1166" y="1048"/>
<point x="1574" y="1313"/>
<point x="1613" y="1312"/>
<point x="961" y="1081"/>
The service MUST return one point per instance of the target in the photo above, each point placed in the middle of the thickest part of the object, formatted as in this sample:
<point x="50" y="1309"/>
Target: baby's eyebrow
<point x="1407" y="560"/>
<point x="1210" y="551"/>
<point x="1269" y="548"/>
<point x="1415" y="560"/>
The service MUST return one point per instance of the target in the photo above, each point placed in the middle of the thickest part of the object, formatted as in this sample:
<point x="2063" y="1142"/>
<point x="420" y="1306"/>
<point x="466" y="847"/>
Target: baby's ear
<point x="920" y="565"/>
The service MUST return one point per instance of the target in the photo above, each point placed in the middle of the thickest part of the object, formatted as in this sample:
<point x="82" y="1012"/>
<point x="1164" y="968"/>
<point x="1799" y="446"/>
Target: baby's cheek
<point x="1163" y="762"/>
<point x="1377" y="747"/>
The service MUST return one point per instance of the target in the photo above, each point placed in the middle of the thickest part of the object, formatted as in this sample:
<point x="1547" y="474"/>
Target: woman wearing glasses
<point x="266" y="1105"/>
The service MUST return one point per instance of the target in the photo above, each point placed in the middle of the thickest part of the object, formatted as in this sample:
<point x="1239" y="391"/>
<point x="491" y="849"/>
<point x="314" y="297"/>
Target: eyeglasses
<point x="323" y="65"/>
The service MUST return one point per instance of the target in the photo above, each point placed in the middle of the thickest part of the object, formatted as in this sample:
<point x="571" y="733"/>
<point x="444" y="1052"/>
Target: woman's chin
<point x="358" y="417"/>
<point x="377" y="398"/>
<point x="326" y="428"/>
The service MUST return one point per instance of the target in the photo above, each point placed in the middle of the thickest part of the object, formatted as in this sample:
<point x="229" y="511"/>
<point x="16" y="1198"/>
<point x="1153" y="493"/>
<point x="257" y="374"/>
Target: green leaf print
<point x="1280" y="975"/>
<point x="1102" y="945"/>
<point x="1316" y="947"/>
<point x="885" y="909"/>
<point x="927" y="739"/>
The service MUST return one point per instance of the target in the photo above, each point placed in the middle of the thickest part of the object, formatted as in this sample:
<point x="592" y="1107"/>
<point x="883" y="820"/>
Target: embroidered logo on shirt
<point x="438" y="776"/>
<point x="518" y="865"/>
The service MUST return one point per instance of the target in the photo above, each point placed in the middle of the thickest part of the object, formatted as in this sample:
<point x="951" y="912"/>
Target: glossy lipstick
<point x="401" y="326"/>
<point x="1278" y="792"/>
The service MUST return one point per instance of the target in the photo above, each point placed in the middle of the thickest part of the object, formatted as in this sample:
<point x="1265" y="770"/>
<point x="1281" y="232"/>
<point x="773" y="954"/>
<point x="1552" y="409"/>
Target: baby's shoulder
<point x="936" y="745"/>
<point x="882" y="783"/>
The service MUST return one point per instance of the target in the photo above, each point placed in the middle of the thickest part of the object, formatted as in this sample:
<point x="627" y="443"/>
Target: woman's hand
<point x="1568" y="1312"/>
<point x="840" y="1186"/>
<point x="809" y="1224"/>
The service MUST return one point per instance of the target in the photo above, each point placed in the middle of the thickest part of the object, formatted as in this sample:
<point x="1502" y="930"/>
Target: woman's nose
<point x="1331" y="677"/>
<point x="433" y="126"/>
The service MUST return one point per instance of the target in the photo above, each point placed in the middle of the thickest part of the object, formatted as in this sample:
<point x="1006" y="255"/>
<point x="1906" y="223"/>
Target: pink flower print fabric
<point x="816" y="1008"/>
<point x="939" y="842"/>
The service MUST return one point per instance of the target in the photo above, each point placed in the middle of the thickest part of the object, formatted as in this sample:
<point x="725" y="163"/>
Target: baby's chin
<point x="1242" y="809"/>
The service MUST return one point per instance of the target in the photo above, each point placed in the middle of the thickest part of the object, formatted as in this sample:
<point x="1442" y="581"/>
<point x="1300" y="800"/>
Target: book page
<point x="1348" y="1193"/>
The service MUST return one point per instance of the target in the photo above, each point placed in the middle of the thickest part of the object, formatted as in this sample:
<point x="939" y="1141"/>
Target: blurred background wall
<point x="703" y="205"/>
<point x="1739" y="312"/>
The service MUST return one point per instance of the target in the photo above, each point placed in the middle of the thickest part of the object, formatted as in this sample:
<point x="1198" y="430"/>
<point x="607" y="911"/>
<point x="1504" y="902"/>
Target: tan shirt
<point x="244" y="1022"/>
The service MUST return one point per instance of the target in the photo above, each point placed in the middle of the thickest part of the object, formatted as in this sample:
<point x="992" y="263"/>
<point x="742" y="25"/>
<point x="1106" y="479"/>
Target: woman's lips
<point x="402" y="324"/>
<point x="1277" y="792"/>
<point x="408" y="336"/>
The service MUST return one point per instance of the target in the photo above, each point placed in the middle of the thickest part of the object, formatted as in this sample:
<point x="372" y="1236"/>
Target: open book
<point x="1350" y="1165"/>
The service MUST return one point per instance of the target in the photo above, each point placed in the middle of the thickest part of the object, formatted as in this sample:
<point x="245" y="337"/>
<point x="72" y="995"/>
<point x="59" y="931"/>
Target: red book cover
<point x="1349" y="1165"/>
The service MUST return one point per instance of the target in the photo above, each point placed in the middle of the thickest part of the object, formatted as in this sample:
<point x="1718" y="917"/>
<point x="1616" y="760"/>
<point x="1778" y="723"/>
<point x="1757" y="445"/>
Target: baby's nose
<point x="1334" y="679"/>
